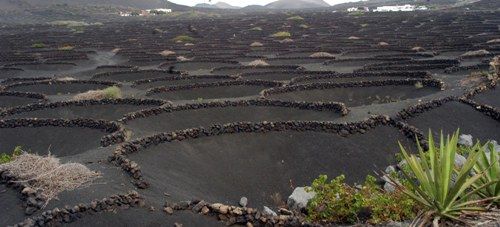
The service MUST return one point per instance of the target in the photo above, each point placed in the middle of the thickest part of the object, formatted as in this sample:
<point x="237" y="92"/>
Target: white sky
<point x="245" y="2"/>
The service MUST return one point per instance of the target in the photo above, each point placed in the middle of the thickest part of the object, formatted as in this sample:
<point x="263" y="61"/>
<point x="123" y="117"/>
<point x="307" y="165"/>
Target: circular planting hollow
<point x="108" y="109"/>
<point x="282" y="75"/>
<point x="57" y="136"/>
<point x="489" y="97"/>
<point x="199" y="64"/>
<point x="12" y="99"/>
<point x="450" y="114"/>
<point x="174" y="118"/>
<point x="237" y="70"/>
<point x="180" y="80"/>
<point x="228" y="89"/>
<point x="58" y="87"/>
<point x="358" y="76"/>
<point x="262" y="161"/>
<point x="133" y="75"/>
<point x="356" y="93"/>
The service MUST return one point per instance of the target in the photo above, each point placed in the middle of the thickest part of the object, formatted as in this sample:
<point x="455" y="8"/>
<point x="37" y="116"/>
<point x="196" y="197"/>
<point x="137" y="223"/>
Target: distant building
<point x="125" y="14"/>
<point x="404" y="8"/>
<point x="159" y="11"/>
<point x="358" y="9"/>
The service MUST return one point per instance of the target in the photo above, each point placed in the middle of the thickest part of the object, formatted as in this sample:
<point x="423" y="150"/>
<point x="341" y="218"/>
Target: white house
<point x="356" y="9"/>
<point x="404" y="8"/>
<point x="160" y="10"/>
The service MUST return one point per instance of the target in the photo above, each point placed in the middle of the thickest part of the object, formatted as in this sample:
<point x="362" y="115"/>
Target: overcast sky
<point x="245" y="2"/>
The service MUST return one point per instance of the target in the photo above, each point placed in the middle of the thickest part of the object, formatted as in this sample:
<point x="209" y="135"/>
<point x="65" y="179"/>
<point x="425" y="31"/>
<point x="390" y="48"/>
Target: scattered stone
<point x="299" y="198"/>
<point x="465" y="140"/>
<point x="459" y="160"/>
<point x="243" y="202"/>
<point x="205" y="210"/>
<point x="267" y="211"/>
<point x="390" y="169"/>
<point x="177" y="225"/>
<point x="168" y="210"/>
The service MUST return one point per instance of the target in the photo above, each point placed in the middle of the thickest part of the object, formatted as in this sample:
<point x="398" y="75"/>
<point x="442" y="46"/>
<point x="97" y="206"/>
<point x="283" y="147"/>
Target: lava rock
<point x="465" y="140"/>
<point x="269" y="212"/>
<point x="243" y="202"/>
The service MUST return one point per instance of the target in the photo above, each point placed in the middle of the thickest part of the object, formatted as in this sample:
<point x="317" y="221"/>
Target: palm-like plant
<point x="488" y="163"/>
<point x="436" y="184"/>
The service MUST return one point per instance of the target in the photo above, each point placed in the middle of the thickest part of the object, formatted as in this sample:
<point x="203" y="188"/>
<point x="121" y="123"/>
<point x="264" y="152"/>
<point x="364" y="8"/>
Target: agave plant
<point x="435" y="183"/>
<point x="488" y="162"/>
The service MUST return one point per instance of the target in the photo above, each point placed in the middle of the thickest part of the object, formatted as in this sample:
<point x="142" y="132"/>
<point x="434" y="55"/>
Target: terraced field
<point x="234" y="112"/>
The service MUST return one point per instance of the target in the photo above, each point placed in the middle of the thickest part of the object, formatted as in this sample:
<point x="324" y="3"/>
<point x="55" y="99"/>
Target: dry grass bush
<point x="287" y="40"/>
<point x="475" y="53"/>
<point x="418" y="49"/>
<point x="166" y="53"/>
<point x="322" y="55"/>
<point x="495" y="65"/>
<point x="256" y="44"/>
<point x="474" y="79"/>
<point x="383" y="44"/>
<point x="46" y="174"/>
<point x="66" y="78"/>
<point x="182" y="58"/>
<point x="258" y="62"/>
<point x="108" y="93"/>
<point x="353" y="38"/>
<point x="494" y="41"/>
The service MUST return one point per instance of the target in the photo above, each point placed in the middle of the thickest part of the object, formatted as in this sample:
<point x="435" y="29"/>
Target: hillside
<point x="297" y="4"/>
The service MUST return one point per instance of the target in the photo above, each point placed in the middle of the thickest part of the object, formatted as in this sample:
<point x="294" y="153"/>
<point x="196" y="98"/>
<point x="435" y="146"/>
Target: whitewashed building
<point x="360" y="9"/>
<point x="403" y="8"/>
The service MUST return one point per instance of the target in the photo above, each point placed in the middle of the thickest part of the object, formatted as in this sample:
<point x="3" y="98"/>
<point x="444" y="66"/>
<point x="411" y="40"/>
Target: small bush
<point x="338" y="202"/>
<point x="184" y="39"/>
<point x="5" y="158"/>
<point x="66" y="47"/>
<point x="281" y="35"/>
<point x="476" y="53"/>
<point x="108" y="93"/>
<point x="295" y="18"/>
<point x="38" y="45"/>
<point x="304" y="26"/>
<point x="166" y="53"/>
<point x="256" y="44"/>
<point x="419" y="85"/>
<point x="322" y="55"/>
<point x="258" y="63"/>
<point x="353" y="38"/>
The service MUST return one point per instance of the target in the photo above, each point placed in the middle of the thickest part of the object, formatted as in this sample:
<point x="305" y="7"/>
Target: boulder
<point x="465" y="140"/>
<point x="243" y="201"/>
<point x="299" y="198"/>
<point x="267" y="211"/>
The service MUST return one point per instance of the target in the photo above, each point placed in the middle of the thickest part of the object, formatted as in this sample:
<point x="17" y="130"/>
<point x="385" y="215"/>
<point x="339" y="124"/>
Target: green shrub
<point x="183" y="39"/>
<point x="38" y="45"/>
<point x="112" y="92"/>
<point x="295" y="18"/>
<point x="338" y="202"/>
<point x="437" y="185"/>
<point x="488" y="163"/>
<point x="5" y="158"/>
<point x="282" y="35"/>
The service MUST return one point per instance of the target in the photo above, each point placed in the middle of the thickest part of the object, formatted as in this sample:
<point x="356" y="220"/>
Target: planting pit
<point x="12" y="99"/>
<point x="451" y="115"/>
<point x="258" y="166"/>
<point x="90" y="109"/>
<point x="489" y="97"/>
<point x="230" y="89"/>
<point x="133" y="75"/>
<point x="254" y="69"/>
<point x="352" y="94"/>
<point x="59" y="87"/>
<point x="177" y="81"/>
<point x="59" y="137"/>
<point x="198" y="65"/>
<point x="156" y="120"/>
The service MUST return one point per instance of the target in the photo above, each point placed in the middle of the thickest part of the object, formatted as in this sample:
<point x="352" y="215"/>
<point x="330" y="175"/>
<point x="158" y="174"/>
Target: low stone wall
<point x="214" y="84"/>
<point x="145" y="81"/>
<point x="411" y="74"/>
<point x="58" y="216"/>
<point x="23" y="94"/>
<point x="301" y="87"/>
<point x="133" y="70"/>
<point x="49" y="82"/>
<point x="52" y="105"/>
<point x="332" y="106"/>
<point x="32" y="200"/>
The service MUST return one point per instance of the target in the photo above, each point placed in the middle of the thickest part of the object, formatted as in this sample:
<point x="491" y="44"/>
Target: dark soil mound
<point x="260" y="165"/>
